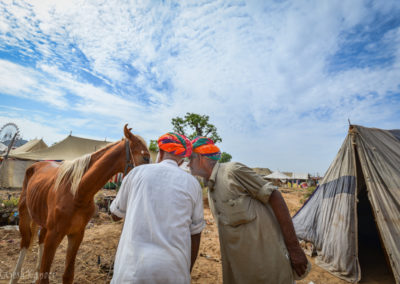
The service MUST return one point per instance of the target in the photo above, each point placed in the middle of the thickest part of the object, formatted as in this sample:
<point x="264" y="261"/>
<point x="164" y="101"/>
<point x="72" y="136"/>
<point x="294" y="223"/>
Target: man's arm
<point x="195" y="249"/>
<point x="120" y="203"/>
<point x="259" y="189"/>
<point x="296" y="254"/>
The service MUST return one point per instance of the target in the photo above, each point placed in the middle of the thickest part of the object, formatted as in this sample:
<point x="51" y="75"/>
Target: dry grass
<point x="95" y="256"/>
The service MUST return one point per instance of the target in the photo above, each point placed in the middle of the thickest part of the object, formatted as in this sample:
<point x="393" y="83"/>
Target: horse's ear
<point x="135" y="139"/>
<point x="128" y="133"/>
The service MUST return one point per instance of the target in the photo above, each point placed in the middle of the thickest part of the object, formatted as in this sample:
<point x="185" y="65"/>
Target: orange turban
<point x="176" y="144"/>
<point x="206" y="147"/>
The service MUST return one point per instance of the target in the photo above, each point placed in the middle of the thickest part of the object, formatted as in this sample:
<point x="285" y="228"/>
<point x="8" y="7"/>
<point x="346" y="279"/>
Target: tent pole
<point x="10" y="145"/>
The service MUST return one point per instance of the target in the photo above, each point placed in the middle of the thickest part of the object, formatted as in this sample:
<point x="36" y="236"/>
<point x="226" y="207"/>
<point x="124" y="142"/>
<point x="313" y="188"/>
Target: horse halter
<point x="129" y="159"/>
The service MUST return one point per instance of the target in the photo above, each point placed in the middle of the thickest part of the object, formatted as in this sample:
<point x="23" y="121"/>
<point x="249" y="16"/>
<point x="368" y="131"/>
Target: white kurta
<point x="163" y="207"/>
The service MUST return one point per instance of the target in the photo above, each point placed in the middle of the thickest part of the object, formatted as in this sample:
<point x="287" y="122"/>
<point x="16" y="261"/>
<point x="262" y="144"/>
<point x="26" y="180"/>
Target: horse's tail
<point x="27" y="227"/>
<point x="28" y="174"/>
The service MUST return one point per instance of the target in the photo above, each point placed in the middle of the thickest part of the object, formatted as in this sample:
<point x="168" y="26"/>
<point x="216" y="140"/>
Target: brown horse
<point x="59" y="198"/>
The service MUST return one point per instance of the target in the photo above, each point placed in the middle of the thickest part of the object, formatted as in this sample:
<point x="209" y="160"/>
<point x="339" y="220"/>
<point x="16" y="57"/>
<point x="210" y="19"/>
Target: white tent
<point x="277" y="175"/>
<point x="300" y="176"/>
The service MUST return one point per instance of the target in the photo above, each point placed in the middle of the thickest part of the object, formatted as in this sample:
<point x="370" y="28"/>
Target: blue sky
<point x="279" y="79"/>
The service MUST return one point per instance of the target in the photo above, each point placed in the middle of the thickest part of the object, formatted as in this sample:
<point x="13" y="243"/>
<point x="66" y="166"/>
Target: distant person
<point x="163" y="209"/>
<point x="257" y="238"/>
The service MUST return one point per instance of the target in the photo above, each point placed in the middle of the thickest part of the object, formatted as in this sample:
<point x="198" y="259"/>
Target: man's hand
<point x="297" y="257"/>
<point x="298" y="260"/>
<point x="195" y="244"/>
<point x="115" y="217"/>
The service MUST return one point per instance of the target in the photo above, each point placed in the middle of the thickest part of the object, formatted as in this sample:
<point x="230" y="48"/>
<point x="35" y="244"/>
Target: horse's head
<point x="137" y="148"/>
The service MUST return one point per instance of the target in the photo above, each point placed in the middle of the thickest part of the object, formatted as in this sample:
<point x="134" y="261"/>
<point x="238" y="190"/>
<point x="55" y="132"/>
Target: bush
<point x="11" y="203"/>
<point x="308" y="191"/>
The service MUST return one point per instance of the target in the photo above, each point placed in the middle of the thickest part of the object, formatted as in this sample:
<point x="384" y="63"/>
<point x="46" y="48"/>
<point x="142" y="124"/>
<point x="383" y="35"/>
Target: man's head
<point x="204" y="157"/>
<point x="173" y="146"/>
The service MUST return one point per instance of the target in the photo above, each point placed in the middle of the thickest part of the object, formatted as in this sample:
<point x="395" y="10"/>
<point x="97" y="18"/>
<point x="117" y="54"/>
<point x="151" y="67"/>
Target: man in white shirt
<point x="163" y="210"/>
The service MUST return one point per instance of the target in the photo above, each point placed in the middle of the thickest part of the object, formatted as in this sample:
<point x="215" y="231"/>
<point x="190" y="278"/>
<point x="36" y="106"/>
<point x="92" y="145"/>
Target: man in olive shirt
<point x="257" y="238"/>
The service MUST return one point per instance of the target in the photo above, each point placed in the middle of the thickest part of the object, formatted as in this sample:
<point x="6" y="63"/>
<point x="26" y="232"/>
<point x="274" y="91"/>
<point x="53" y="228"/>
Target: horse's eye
<point x="146" y="159"/>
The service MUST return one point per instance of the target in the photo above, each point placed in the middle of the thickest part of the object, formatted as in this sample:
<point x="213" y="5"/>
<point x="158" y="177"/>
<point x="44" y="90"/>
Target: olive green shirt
<point x="252" y="245"/>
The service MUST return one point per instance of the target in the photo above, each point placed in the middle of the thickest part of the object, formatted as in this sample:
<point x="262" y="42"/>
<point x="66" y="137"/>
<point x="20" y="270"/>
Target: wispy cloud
<point x="279" y="79"/>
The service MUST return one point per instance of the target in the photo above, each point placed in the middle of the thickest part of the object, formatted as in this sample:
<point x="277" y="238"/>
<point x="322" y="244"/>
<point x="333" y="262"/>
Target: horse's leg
<point x="51" y="242"/>
<point x="74" y="241"/>
<point x="42" y="235"/>
<point x="26" y="236"/>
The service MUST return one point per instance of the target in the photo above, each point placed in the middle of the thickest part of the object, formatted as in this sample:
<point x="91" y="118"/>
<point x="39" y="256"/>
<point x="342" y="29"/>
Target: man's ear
<point x="202" y="160"/>
<point x="160" y="156"/>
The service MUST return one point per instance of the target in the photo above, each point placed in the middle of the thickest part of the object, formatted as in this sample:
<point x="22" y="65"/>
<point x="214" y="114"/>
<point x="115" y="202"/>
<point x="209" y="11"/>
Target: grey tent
<point x="353" y="217"/>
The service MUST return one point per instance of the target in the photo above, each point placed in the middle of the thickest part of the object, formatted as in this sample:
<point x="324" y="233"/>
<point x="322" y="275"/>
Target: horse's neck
<point x="103" y="165"/>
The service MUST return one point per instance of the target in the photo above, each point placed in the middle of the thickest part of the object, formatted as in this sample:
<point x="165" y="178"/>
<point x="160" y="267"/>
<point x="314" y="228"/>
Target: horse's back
<point x="40" y="176"/>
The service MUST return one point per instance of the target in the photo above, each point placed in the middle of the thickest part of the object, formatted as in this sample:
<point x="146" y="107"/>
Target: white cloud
<point x="259" y="69"/>
<point x="26" y="83"/>
<point x="31" y="129"/>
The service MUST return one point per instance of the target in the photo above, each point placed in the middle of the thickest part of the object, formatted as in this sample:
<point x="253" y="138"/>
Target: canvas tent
<point x="32" y="145"/>
<point x="277" y="175"/>
<point x="67" y="149"/>
<point x="300" y="176"/>
<point x="3" y="148"/>
<point x="12" y="170"/>
<point x="353" y="217"/>
<point x="297" y="179"/>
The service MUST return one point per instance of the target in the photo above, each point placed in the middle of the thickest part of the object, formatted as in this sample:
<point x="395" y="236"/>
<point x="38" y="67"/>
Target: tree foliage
<point x="153" y="146"/>
<point x="193" y="125"/>
<point x="225" y="157"/>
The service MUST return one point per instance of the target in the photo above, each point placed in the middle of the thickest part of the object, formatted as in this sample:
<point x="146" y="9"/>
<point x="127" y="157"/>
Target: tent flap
<point x="379" y="153"/>
<point x="324" y="219"/>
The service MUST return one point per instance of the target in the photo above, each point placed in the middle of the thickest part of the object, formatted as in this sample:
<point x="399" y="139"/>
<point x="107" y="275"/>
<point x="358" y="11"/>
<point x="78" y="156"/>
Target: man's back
<point x="163" y="207"/>
<point x="250" y="236"/>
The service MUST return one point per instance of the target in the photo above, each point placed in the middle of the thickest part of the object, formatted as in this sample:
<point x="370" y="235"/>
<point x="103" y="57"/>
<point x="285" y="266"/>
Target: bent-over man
<point x="163" y="209"/>
<point x="257" y="238"/>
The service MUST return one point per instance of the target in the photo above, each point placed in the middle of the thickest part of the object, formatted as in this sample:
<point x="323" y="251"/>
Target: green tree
<point x="193" y="125"/>
<point x="225" y="157"/>
<point x="153" y="146"/>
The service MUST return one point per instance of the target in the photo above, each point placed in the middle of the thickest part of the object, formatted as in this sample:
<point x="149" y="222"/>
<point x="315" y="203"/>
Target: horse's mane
<point x="72" y="171"/>
<point x="141" y="140"/>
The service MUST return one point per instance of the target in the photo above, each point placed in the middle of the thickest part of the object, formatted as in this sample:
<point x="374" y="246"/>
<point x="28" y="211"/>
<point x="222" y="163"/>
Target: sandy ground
<point x="97" y="251"/>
